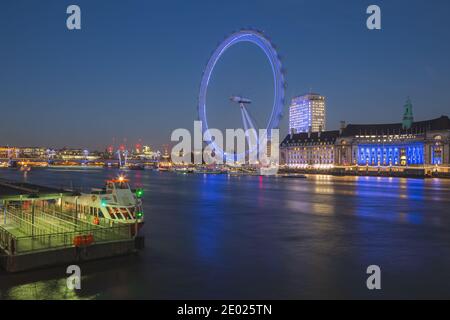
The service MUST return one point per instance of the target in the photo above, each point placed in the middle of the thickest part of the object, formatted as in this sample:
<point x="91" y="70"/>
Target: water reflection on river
<point x="252" y="237"/>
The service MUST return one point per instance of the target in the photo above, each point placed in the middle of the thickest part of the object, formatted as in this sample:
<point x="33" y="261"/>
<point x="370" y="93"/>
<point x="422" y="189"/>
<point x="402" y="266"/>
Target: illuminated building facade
<point x="307" y="113"/>
<point x="391" y="154"/>
<point x="309" y="150"/>
<point x="32" y="152"/>
<point x="21" y="152"/>
<point x="423" y="144"/>
<point x="148" y="153"/>
<point x="7" y="152"/>
<point x="75" y="154"/>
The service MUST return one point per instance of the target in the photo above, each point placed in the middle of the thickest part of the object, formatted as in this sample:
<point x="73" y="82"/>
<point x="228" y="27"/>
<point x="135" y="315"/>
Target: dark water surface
<point x="210" y="237"/>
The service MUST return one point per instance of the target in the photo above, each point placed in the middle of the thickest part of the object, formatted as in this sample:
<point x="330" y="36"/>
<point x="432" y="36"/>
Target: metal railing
<point x="25" y="225"/>
<point x="72" y="217"/>
<point x="66" y="239"/>
<point x="6" y="238"/>
<point x="51" y="230"/>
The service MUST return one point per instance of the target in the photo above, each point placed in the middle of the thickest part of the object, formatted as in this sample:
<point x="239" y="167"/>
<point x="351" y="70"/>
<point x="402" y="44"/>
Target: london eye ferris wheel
<point x="264" y="43"/>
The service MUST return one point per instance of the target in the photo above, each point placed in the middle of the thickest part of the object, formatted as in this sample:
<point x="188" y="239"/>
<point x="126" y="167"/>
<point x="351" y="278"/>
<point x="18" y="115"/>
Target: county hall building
<point x="403" y="144"/>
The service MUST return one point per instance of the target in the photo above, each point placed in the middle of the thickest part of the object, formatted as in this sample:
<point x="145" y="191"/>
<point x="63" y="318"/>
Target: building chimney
<point x="309" y="131"/>
<point x="320" y="131"/>
<point x="292" y="133"/>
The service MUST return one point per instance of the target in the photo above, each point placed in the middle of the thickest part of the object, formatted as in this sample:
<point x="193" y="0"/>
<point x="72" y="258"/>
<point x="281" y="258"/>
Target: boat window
<point x="118" y="214"/>
<point x="111" y="213"/>
<point x="100" y="213"/>
<point x="125" y="213"/>
<point x="122" y="185"/>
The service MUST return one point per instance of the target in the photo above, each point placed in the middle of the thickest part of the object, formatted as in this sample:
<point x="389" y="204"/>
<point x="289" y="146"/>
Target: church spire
<point x="407" y="115"/>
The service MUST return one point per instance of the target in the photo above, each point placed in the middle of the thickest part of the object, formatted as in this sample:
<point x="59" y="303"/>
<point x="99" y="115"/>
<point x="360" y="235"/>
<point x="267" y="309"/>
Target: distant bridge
<point x="80" y="161"/>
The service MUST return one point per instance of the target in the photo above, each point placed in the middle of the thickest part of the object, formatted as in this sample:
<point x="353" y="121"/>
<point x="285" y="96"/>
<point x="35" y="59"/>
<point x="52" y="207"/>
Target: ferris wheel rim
<point x="264" y="43"/>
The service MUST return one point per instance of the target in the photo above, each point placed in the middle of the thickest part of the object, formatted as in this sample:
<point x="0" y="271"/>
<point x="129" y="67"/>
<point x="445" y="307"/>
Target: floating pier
<point x="36" y="231"/>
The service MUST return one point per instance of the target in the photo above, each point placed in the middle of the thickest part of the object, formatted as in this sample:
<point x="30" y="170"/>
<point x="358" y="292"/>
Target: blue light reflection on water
<point x="214" y="236"/>
<point x="210" y="217"/>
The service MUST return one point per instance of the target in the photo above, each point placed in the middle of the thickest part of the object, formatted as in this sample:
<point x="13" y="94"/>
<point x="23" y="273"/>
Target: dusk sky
<point x="133" y="70"/>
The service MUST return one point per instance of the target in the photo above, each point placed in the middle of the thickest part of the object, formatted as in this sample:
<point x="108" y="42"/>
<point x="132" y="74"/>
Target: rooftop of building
<point x="441" y="123"/>
<point x="313" y="137"/>
<point x="419" y="127"/>
<point x="309" y="96"/>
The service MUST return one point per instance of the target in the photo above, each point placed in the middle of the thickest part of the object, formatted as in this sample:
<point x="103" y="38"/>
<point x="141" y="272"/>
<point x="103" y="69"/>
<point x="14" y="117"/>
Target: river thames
<point x="249" y="237"/>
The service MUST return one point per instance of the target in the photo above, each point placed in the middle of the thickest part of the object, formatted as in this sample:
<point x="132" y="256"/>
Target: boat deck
<point x="33" y="223"/>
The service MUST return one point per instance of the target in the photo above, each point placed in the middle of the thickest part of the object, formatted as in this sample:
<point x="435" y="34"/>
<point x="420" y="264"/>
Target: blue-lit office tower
<point x="307" y="113"/>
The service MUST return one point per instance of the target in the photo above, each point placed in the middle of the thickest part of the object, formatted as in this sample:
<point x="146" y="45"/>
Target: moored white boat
<point x="115" y="203"/>
<point x="267" y="171"/>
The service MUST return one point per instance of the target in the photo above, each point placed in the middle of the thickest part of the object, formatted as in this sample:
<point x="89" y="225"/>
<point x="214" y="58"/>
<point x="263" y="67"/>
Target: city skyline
<point x="199" y="152"/>
<point x="87" y="88"/>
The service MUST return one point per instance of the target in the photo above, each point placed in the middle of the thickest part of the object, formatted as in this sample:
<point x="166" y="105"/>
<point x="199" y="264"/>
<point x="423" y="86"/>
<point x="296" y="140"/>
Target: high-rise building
<point x="307" y="113"/>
